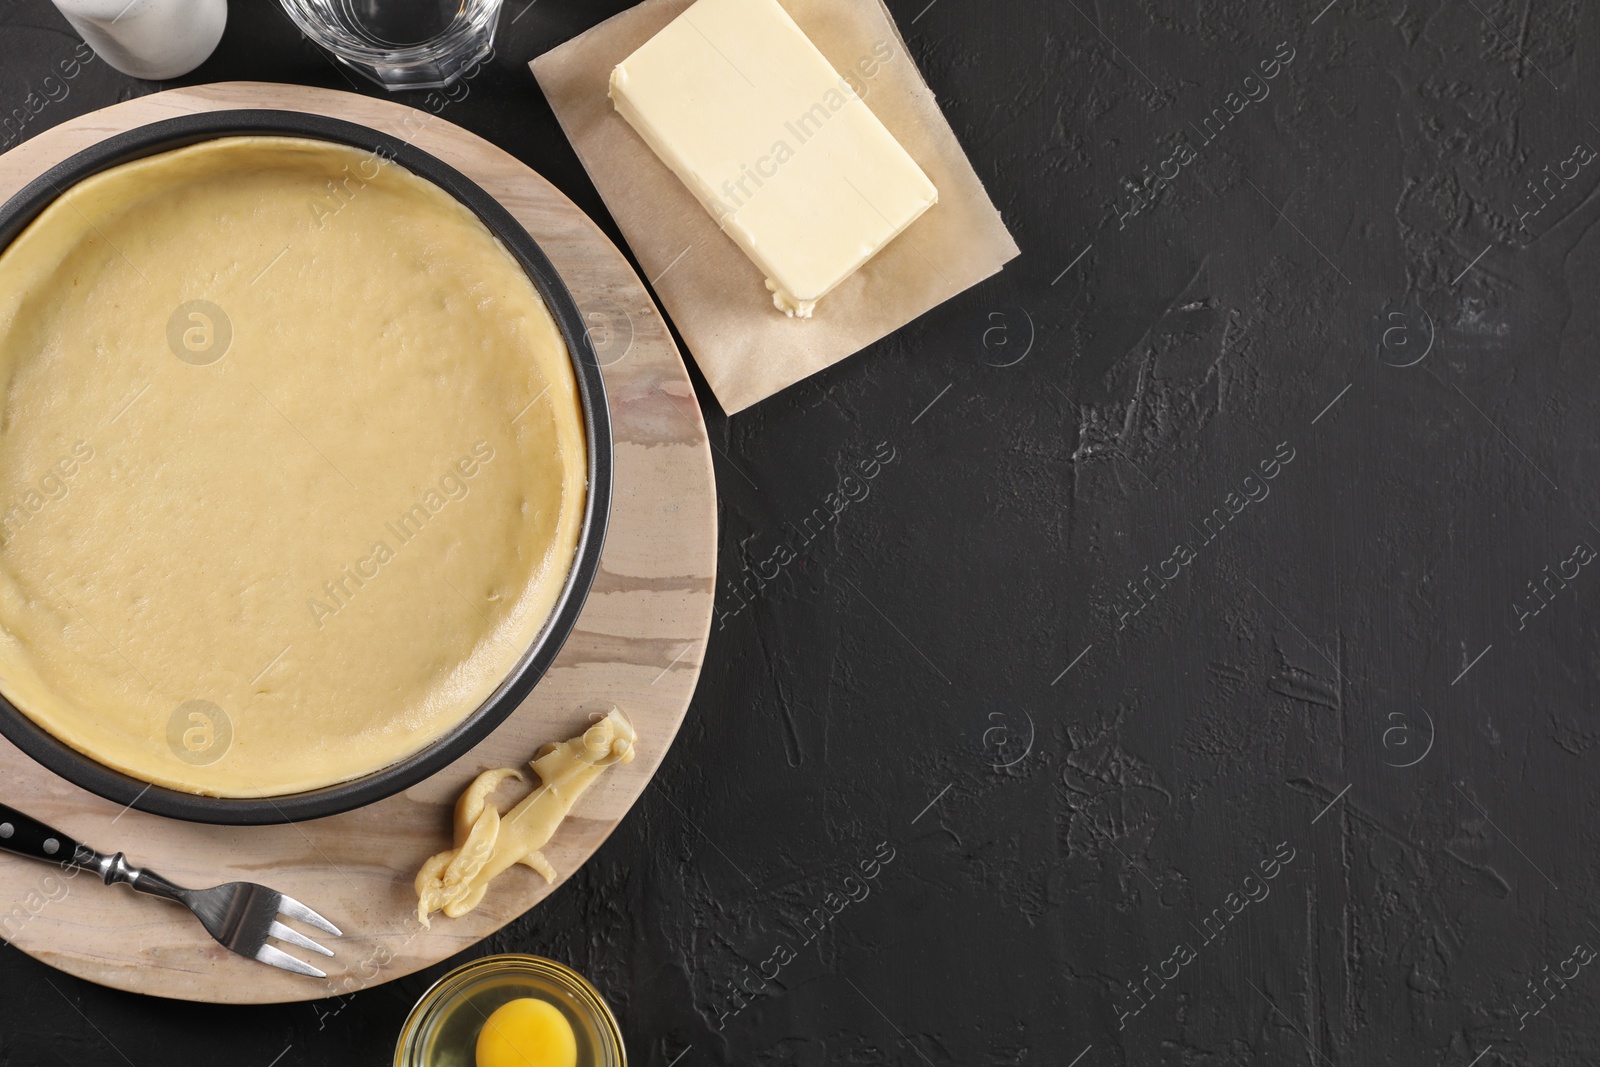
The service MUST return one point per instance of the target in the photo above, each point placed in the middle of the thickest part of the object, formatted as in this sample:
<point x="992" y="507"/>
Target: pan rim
<point x="169" y="134"/>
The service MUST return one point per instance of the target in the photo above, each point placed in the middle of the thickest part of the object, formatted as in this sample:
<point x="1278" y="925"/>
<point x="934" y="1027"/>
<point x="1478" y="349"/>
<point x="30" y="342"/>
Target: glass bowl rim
<point x="465" y="29"/>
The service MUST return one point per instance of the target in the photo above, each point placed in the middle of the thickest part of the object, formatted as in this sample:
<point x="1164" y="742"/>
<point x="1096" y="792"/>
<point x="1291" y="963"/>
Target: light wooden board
<point x="638" y="644"/>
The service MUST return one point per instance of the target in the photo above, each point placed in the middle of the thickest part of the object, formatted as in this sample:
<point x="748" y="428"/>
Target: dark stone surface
<point x="1339" y="705"/>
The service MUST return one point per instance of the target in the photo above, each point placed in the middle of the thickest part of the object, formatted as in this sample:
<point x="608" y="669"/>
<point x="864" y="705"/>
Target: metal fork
<point x="240" y="915"/>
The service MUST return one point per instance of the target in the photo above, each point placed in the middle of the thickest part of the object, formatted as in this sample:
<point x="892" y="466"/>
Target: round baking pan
<point x="163" y="136"/>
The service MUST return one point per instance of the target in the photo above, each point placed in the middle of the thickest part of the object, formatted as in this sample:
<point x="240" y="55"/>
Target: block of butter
<point x="781" y="150"/>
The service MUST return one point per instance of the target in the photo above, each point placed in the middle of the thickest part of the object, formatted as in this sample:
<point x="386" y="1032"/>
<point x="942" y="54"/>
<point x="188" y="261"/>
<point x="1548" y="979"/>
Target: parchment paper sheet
<point x="746" y="348"/>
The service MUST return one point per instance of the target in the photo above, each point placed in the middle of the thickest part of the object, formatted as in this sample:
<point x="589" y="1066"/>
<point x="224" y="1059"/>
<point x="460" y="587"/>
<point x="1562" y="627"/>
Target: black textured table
<point x="1202" y="675"/>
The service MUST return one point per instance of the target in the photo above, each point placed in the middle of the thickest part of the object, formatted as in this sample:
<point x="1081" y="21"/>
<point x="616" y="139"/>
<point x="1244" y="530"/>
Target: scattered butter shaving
<point x="487" y="842"/>
<point x="471" y="856"/>
<point x="472" y="801"/>
<point x="429" y="885"/>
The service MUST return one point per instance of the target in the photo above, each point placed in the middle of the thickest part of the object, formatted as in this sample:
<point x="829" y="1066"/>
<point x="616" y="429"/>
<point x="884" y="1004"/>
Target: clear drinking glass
<point x="401" y="44"/>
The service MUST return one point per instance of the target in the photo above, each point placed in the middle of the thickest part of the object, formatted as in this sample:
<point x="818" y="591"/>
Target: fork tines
<point x="296" y="910"/>
<point x="277" y="957"/>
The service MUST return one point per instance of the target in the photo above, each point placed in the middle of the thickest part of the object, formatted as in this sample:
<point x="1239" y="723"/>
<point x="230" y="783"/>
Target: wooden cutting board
<point x="638" y="644"/>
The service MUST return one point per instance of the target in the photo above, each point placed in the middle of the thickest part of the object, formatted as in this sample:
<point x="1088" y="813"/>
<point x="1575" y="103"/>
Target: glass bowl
<point x="401" y="44"/>
<point x="442" y="1030"/>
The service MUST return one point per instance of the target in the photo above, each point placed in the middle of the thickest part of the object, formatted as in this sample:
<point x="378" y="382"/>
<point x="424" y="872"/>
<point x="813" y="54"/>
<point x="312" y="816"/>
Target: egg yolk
<point x="527" y="1033"/>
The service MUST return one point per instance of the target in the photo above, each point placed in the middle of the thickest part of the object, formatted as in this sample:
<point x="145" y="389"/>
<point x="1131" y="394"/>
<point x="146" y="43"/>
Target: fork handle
<point x="27" y="836"/>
